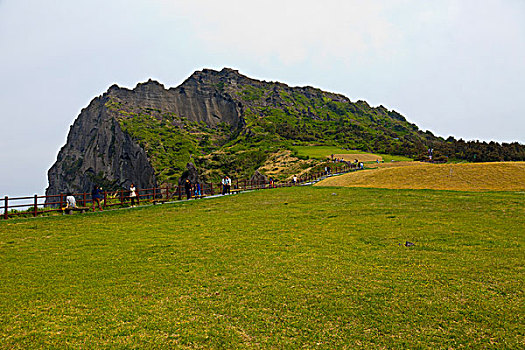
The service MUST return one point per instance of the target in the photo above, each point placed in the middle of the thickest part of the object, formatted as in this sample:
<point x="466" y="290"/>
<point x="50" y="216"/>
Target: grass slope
<point x="459" y="177"/>
<point x="323" y="152"/>
<point x="287" y="268"/>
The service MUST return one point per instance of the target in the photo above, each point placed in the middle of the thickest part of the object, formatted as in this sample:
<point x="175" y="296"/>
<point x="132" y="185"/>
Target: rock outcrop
<point x="191" y="173"/>
<point x="198" y="99"/>
<point x="257" y="177"/>
<point x="98" y="151"/>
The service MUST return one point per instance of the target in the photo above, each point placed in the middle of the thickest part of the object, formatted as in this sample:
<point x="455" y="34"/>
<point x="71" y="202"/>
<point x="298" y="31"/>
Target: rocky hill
<point x="225" y="122"/>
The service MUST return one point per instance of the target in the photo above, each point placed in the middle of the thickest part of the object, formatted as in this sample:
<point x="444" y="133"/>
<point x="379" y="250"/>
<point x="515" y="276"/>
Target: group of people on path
<point x="194" y="189"/>
<point x="97" y="194"/>
<point x="336" y="159"/>
<point x="226" y="185"/>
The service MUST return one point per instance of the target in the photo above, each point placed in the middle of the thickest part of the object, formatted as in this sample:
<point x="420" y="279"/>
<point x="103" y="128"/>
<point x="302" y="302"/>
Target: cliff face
<point x="99" y="151"/>
<point x="197" y="100"/>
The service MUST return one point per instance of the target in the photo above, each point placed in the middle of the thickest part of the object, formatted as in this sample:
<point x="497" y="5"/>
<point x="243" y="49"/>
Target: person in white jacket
<point x="133" y="194"/>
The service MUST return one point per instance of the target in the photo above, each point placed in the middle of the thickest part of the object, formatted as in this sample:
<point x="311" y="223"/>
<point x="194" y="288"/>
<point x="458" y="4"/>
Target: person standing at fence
<point x="96" y="196"/>
<point x="187" y="188"/>
<point x="294" y="179"/>
<point x="228" y="184"/>
<point x="224" y="183"/>
<point x="133" y="195"/>
<point x="197" y="192"/>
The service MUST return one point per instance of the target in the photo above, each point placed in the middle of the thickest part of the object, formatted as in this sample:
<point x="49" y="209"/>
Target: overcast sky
<point x="455" y="67"/>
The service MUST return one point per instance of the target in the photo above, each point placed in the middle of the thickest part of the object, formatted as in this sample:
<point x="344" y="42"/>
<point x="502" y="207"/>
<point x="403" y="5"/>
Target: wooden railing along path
<point x="38" y="205"/>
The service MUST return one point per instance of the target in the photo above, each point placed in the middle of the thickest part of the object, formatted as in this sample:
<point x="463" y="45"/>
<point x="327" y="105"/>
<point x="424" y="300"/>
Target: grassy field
<point x="505" y="176"/>
<point x="286" y="268"/>
<point x="322" y="152"/>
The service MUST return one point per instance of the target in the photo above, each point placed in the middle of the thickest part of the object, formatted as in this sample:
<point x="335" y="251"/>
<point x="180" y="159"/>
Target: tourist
<point x="224" y="183"/>
<point x="228" y="184"/>
<point x="187" y="187"/>
<point x="96" y="196"/>
<point x="133" y="195"/>
<point x="197" y="188"/>
<point x="70" y="201"/>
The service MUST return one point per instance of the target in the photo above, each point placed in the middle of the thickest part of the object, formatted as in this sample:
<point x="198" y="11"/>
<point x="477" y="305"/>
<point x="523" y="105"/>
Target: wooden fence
<point x="38" y="205"/>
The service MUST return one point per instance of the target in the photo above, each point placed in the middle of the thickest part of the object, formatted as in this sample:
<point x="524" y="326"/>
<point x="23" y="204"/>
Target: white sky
<point x="455" y="67"/>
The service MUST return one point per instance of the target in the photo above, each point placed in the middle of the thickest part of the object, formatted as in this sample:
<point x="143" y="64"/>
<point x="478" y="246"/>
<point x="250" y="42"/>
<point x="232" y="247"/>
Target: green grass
<point x="395" y="158"/>
<point x="286" y="268"/>
<point x="321" y="152"/>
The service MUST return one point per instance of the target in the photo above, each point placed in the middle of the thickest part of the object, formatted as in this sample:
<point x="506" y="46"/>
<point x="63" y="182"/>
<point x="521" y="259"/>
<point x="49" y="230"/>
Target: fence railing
<point x="38" y="205"/>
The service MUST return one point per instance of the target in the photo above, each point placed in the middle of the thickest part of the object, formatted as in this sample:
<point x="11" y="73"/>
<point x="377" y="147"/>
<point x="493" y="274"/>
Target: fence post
<point x="167" y="191"/>
<point x="154" y="193"/>
<point x="61" y="201"/>
<point x="84" y="199"/>
<point x="6" y="207"/>
<point x="121" y="197"/>
<point x="35" y="210"/>
<point x="105" y="198"/>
